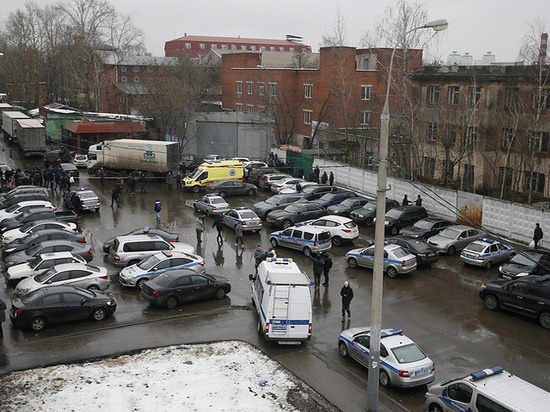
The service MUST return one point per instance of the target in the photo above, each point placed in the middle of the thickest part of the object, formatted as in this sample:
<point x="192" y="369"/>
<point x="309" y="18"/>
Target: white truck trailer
<point x="31" y="137"/>
<point x="9" y="122"/>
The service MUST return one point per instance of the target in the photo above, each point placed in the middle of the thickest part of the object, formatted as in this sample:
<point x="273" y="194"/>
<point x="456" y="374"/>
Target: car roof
<point x="461" y="227"/>
<point x="140" y="237"/>
<point x="56" y="255"/>
<point x="307" y="228"/>
<point x="74" y="265"/>
<point x="336" y="218"/>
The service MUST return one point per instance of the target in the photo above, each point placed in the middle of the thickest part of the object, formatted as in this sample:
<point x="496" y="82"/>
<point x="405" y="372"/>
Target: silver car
<point x="211" y="204"/>
<point x="40" y="264"/>
<point x="73" y="274"/>
<point x="486" y="252"/>
<point x="248" y="219"/>
<point x="454" y="238"/>
<point x="397" y="260"/>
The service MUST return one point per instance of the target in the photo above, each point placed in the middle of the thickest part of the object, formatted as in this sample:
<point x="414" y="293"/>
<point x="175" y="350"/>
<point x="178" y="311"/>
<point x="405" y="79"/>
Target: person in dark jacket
<point x="317" y="269"/>
<point x="2" y="316"/>
<point x="218" y="224"/>
<point x="259" y="257"/>
<point x="114" y="196"/>
<point x="418" y="201"/>
<point x="158" y="208"/>
<point x="324" y="178"/>
<point x="347" y="295"/>
<point x="331" y="179"/>
<point x="327" y="265"/>
<point x="537" y="235"/>
<point x="405" y="201"/>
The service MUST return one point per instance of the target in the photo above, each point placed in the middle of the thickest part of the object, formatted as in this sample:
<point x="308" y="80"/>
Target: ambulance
<point x="210" y="172"/>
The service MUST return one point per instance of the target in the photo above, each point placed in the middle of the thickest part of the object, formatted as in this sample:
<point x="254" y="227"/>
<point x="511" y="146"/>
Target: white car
<point x="40" y="264"/>
<point x="293" y="189"/>
<point x="32" y="227"/>
<point x="342" y="229"/>
<point x="244" y="160"/>
<point x="80" y="160"/>
<point x="21" y="207"/>
<point x="289" y="182"/>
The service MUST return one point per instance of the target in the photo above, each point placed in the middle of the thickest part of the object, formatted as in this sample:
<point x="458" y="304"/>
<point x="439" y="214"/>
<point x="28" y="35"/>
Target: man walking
<point x="102" y="176"/>
<point x="239" y="234"/>
<point x="317" y="269"/>
<point x="158" y="208"/>
<point x="199" y="227"/>
<point x="537" y="235"/>
<point x="327" y="265"/>
<point x="347" y="295"/>
<point x="114" y="196"/>
<point x="142" y="183"/>
<point x="218" y="224"/>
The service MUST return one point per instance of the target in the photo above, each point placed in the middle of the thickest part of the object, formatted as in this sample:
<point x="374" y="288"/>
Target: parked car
<point x="276" y="202"/>
<point x="211" y="204"/>
<point x="70" y="169"/>
<point x="82" y="199"/>
<point x="243" y="215"/>
<point x="295" y="213"/>
<point x="32" y="239"/>
<point x="33" y="215"/>
<point x="69" y="274"/>
<point x="486" y="252"/>
<point x="54" y="157"/>
<point x="425" y="254"/>
<point x="184" y="285"/>
<point x="256" y="173"/>
<point x="226" y="188"/>
<point x="526" y="262"/>
<point x="329" y="199"/>
<point x="40" y="264"/>
<point x="81" y="160"/>
<point x="288" y="182"/>
<point x="341" y="229"/>
<point x="403" y="216"/>
<point x="157" y="264"/>
<point x="23" y="190"/>
<point x="297" y="189"/>
<point x="147" y="230"/>
<point x="83" y="250"/>
<point x="32" y="227"/>
<point x="243" y="160"/>
<point x="402" y="362"/>
<point x="313" y="192"/>
<point x="213" y="158"/>
<point x="454" y="238"/>
<point x="426" y="228"/>
<point x="308" y="239"/>
<point x="528" y="295"/>
<point x="267" y="180"/>
<point x="397" y="260"/>
<point x="250" y="166"/>
<point x="366" y="214"/>
<point x="59" y="304"/>
<point x="22" y="197"/>
<point x="347" y="206"/>
<point x="21" y="207"/>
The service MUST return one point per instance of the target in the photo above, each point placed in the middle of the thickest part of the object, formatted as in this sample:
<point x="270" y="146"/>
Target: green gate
<point x="300" y="160"/>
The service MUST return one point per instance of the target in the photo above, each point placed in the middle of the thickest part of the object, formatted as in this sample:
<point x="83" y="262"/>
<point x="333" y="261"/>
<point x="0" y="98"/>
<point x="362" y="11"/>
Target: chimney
<point x="543" y="48"/>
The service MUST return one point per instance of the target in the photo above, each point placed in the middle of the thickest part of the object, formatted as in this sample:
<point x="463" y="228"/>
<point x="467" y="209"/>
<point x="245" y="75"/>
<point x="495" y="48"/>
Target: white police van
<point x="488" y="390"/>
<point x="281" y="295"/>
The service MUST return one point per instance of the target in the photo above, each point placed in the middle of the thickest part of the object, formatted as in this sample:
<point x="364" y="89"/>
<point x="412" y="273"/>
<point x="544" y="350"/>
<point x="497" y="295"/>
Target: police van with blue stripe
<point x="397" y="260"/>
<point x="281" y="295"/>
<point x="488" y="390"/>
<point x="486" y="252"/>
<point x="308" y="239"/>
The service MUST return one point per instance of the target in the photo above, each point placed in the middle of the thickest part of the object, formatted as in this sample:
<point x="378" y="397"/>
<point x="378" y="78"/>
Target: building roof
<point x="269" y="59"/>
<point x="109" y="58"/>
<point x="240" y="40"/>
<point x="87" y="126"/>
<point x="131" y="88"/>
<point x="64" y="109"/>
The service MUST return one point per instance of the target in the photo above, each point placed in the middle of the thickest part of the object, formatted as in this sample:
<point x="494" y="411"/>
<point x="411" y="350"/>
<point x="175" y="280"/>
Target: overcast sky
<point x="476" y="26"/>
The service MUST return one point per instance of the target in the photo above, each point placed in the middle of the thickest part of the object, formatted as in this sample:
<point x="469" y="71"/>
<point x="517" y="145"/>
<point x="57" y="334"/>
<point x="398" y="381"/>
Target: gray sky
<point x="476" y="26"/>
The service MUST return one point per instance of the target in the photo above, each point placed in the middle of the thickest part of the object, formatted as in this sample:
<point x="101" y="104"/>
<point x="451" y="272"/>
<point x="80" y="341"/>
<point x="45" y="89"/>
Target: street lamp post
<point x="378" y="270"/>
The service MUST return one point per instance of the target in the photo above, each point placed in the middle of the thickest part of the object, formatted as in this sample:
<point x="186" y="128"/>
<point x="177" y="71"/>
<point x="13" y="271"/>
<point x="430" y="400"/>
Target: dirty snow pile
<point x="224" y="376"/>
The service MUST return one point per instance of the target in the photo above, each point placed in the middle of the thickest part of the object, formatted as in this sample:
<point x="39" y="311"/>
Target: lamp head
<point x="437" y="25"/>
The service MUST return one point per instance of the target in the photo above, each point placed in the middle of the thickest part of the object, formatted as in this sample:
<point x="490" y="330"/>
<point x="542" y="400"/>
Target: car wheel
<point x="37" y="324"/>
<point x="222" y="194"/>
<point x="93" y="287"/>
<point x="343" y="349"/>
<point x="307" y="251"/>
<point x="337" y="241"/>
<point x="171" y="302"/>
<point x="451" y="251"/>
<point x="196" y="189"/>
<point x="394" y="230"/>
<point x="488" y="265"/>
<point x="287" y="223"/>
<point x="491" y="302"/>
<point x="384" y="378"/>
<point x="352" y="262"/>
<point x="251" y="192"/>
<point x="544" y="320"/>
<point x="220" y="293"/>
<point x="273" y="242"/>
<point x="140" y="283"/>
<point x="99" y="314"/>
<point x="391" y="272"/>
<point x="369" y="221"/>
<point x="434" y="408"/>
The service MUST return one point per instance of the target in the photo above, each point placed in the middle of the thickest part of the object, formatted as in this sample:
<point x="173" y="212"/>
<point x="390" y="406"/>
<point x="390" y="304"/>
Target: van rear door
<point x="299" y="313"/>
<point x="280" y="313"/>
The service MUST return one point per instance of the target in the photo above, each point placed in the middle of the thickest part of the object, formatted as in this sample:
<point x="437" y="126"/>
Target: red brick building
<point x="199" y="45"/>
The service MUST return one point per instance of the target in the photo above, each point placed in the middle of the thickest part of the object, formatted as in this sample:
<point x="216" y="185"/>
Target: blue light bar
<point x="486" y="372"/>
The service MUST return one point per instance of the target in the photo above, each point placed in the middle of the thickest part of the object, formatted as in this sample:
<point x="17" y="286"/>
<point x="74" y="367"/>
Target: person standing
<point x="169" y="180"/>
<point x="259" y="257"/>
<point x="114" y="196"/>
<point x="133" y="182"/>
<point x="331" y="179"/>
<point x="405" y="201"/>
<point x="218" y="224"/>
<point x="239" y="234"/>
<point x="142" y="183"/>
<point x="178" y="180"/>
<point x="317" y="269"/>
<point x="158" y="208"/>
<point x="347" y="295"/>
<point x="119" y="185"/>
<point x="2" y="316"/>
<point x="418" y="201"/>
<point x="199" y="227"/>
<point x="324" y="178"/>
<point x="537" y="235"/>
<point x="101" y="174"/>
<point x="327" y="265"/>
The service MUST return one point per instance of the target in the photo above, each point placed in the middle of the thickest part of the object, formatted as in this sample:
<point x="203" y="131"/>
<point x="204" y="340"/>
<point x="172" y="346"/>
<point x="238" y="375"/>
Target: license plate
<point x="470" y="256"/>
<point x="274" y="328"/>
<point x="422" y="372"/>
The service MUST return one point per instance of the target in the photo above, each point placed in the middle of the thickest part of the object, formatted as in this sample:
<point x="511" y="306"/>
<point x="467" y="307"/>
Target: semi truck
<point x="125" y="156"/>
<point x="9" y="118"/>
<point x="5" y="107"/>
<point x="30" y="136"/>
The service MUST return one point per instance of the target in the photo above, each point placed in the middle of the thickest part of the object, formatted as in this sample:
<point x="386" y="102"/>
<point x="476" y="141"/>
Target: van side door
<point x="461" y="396"/>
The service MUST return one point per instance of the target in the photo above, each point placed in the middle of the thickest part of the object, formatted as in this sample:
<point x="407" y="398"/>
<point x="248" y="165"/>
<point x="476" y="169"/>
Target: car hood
<point x="18" y="269"/>
<point x="277" y="214"/>
<point x="413" y="231"/>
<point x="219" y="278"/>
<point x="365" y="212"/>
<point x="27" y="284"/>
<point x="354" y="251"/>
<point x="496" y="282"/>
<point x="183" y="247"/>
<point x="262" y="205"/>
<point x="440" y="240"/>
<point x="18" y="257"/>
<point x="515" y="268"/>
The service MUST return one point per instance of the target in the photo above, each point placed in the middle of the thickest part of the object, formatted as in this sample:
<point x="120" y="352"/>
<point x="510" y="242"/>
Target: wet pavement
<point x="438" y="307"/>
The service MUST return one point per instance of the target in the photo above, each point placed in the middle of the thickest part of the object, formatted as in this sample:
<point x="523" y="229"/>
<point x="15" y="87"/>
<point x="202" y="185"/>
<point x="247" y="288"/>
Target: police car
<point x="157" y="264"/>
<point x="248" y="219"/>
<point x="83" y="199"/>
<point x="486" y="252"/>
<point x="309" y="239"/>
<point x="211" y="204"/>
<point x="397" y="260"/>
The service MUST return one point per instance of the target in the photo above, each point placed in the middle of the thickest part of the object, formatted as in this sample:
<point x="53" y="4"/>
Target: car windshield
<point x="41" y="278"/>
<point x="196" y="173"/>
<point x="218" y="200"/>
<point x="148" y="263"/>
<point x="528" y="259"/>
<point x="29" y="297"/>
<point x="12" y="208"/>
<point x="327" y="196"/>
<point x="423" y="224"/>
<point x="309" y="189"/>
<point x="408" y="353"/>
<point x="30" y="237"/>
<point x="26" y="227"/>
<point x="248" y="215"/>
<point x="348" y="202"/>
<point x="23" y="216"/>
<point x="350" y="225"/>
<point x="274" y="200"/>
<point x="35" y="262"/>
<point x="475" y="247"/>
<point x="370" y="206"/>
<point x="394" y="213"/>
<point x="292" y="209"/>
<point x="449" y="233"/>
<point x="87" y="195"/>
<point x="400" y="252"/>
<point x="33" y="250"/>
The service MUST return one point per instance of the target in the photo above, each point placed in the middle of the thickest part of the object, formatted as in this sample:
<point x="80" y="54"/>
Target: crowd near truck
<point x="125" y="156"/>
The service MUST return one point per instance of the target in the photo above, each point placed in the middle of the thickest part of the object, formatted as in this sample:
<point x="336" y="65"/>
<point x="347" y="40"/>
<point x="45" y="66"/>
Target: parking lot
<point x="438" y="307"/>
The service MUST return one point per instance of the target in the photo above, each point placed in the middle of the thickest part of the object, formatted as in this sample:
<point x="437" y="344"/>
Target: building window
<point x="239" y="87"/>
<point x="534" y="181"/>
<point x="272" y="48"/>
<point x="253" y="48"/>
<point x="474" y="96"/>
<point x="307" y="90"/>
<point x="123" y="69"/>
<point x="249" y="87"/>
<point x="512" y="97"/>
<point x="224" y="46"/>
<point x="365" y="64"/>
<point x="468" y="177"/>
<point x="261" y="108"/>
<point x="454" y="93"/>
<point x="124" y="79"/>
<point x="307" y="116"/>
<point x="214" y="46"/>
<point x="262" y="48"/>
<point x="281" y="49"/>
<point x="538" y="141"/>
<point x="187" y="45"/>
<point x="249" y="107"/>
<point x="261" y="88"/>
<point x="508" y="137"/>
<point x="136" y="79"/>
<point x="429" y="166"/>
<point x="136" y="69"/>
<point x="505" y="177"/>
<point x="431" y="133"/>
<point x="243" y="47"/>
<point x="233" y="47"/>
<point x="365" y="92"/>
<point x="239" y="107"/>
<point x="202" y="46"/>
<point x="471" y="136"/>
<point x="541" y="99"/>
<point x="433" y="94"/>
<point x="448" y="170"/>
<point x="450" y="133"/>
<point x="365" y="117"/>
<point x="273" y="89"/>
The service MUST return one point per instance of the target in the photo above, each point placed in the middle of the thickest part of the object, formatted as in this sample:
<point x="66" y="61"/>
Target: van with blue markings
<point x="308" y="239"/>
<point x="281" y="295"/>
<point x="487" y="390"/>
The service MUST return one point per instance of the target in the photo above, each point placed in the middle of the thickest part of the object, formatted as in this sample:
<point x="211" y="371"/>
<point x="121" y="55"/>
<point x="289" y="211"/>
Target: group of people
<point x="407" y="202"/>
<point x="49" y="177"/>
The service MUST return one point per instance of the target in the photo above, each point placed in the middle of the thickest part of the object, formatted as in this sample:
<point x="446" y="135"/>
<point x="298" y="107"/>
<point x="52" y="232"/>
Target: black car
<point x="403" y="216"/>
<point x="169" y="237"/>
<point x="23" y="197"/>
<point x="23" y="190"/>
<point x="275" y="203"/>
<point x="50" y="246"/>
<point x="425" y="254"/>
<point x="529" y="296"/>
<point x="365" y="215"/>
<point x="233" y="188"/>
<point x="425" y="228"/>
<point x="41" y="236"/>
<point x="316" y="191"/>
<point x="295" y="213"/>
<point x="54" y="157"/>
<point x="527" y="262"/>
<point x="184" y="285"/>
<point x="255" y="174"/>
<point x="347" y="206"/>
<point x="59" y="304"/>
<point x="334" y="198"/>
<point x="32" y="215"/>
<point x="70" y="169"/>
